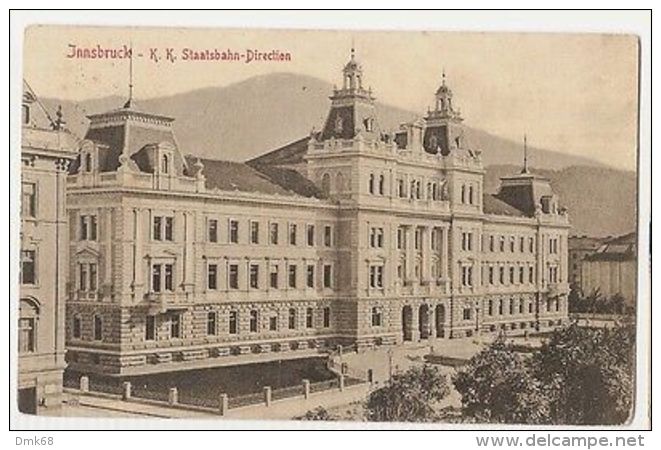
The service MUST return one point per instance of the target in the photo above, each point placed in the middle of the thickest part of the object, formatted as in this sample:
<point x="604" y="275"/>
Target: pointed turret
<point x="443" y="130"/>
<point x="352" y="109"/>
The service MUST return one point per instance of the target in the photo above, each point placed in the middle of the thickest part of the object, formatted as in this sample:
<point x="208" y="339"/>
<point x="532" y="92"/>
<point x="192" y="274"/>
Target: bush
<point x="409" y="397"/>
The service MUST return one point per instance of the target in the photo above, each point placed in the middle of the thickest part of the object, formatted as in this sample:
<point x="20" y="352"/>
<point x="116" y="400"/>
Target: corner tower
<point x="443" y="130"/>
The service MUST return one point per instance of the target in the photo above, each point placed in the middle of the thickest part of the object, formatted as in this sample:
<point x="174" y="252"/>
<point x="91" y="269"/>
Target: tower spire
<point x="525" y="154"/>
<point x="129" y="102"/>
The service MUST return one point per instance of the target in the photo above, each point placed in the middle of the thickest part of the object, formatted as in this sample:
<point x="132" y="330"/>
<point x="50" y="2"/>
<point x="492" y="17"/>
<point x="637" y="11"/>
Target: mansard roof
<point x="253" y="177"/>
<point x="491" y="204"/>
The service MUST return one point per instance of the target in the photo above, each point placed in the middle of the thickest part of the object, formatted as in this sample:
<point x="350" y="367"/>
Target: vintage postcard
<point x="359" y="226"/>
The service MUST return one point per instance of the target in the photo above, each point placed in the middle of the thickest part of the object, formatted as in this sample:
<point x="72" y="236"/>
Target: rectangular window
<point x="376" y="317"/>
<point x="400" y="238"/>
<point x="93" y="228"/>
<point x="254" y="276"/>
<point x="502" y="243"/>
<point x="292" y="234"/>
<point x="155" y="278"/>
<point x="511" y="275"/>
<point x="531" y="274"/>
<point x="491" y="275"/>
<point x="26" y="341"/>
<point x="468" y="313"/>
<point x="150" y="328"/>
<point x="328" y="236"/>
<point x="233" y="274"/>
<point x="273" y="323"/>
<point x="291" y="319"/>
<point x="234" y="231"/>
<point x="83" y="228"/>
<point x="212" y="276"/>
<point x="213" y="230"/>
<point x="310" y="235"/>
<point x="521" y="275"/>
<point x="168" y="277"/>
<point x="28" y="273"/>
<point x="28" y="199"/>
<point x="522" y="244"/>
<point x="274" y="276"/>
<point x="309" y="318"/>
<point x="82" y="277"/>
<point x="326" y="318"/>
<point x="93" y="271"/>
<point x="175" y="326"/>
<point x="292" y="276"/>
<point x="328" y="276"/>
<point x="211" y="323"/>
<point x="98" y="328"/>
<point x="310" y="276"/>
<point x="512" y="244"/>
<point x="531" y="244"/>
<point x="254" y="232"/>
<point x="233" y="322"/>
<point x="253" y="321"/>
<point x="169" y="228"/>
<point x="501" y="275"/>
<point x="273" y="234"/>
<point x="492" y="246"/>
<point x="157" y="225"/>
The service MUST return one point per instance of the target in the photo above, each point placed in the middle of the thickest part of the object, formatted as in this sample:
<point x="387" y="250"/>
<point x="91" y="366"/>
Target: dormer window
<point x="165" y="164"/>
<point x="26" y="114"/>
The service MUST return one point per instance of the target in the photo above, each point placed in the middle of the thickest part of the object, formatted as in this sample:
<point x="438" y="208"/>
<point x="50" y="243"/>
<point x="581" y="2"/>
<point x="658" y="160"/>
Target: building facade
<point x="612" y="269"/>
<point x="579" y="248"/>
<point x="46" y="151"/>
<point x="351" y="235"/>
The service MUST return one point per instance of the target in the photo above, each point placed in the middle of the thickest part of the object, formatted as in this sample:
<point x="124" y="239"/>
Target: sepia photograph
<point x="349" y="226"/>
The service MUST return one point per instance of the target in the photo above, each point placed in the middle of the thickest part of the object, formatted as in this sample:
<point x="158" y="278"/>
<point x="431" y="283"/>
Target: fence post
<point x="126" y="393"/>
<point x="267" y="395"/>
<point x="224" y="404"/>
<point x="84" y="383"/>
<point x="341" y="382"/>
<point x="173" y="396"/>
<point x="306" y="389"/>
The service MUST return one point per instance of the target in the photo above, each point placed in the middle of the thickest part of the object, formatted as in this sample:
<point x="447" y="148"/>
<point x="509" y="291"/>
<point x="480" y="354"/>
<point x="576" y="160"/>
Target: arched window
<point x="27" y="323"/>
<point x="339" y="182"/>
<point x="382" y="184"/>
<point x="376" y="317"/>
<point x="253" y="321"/>
<point x="371" y="183"/>
<point x="470" y="195"/>
<point x="165" y="164"/>
<point x="326" y="184"/>
<point x="88" y="162"/>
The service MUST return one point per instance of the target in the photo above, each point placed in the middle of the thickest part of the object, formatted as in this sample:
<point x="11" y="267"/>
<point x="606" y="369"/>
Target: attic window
<point x="165" y="164"/>
<point x="26" y="114"/>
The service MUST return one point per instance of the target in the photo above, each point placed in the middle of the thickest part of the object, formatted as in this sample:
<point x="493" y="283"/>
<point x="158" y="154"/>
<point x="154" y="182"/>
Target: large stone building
<point x="46" y="151"/>
<point x="351" y="235"/>
<point x="611" y="269"/>
<point x="580" y="247"/>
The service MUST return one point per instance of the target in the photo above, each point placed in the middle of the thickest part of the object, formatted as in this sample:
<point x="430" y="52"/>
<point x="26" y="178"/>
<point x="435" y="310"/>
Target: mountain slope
<point x="246" y="119"/>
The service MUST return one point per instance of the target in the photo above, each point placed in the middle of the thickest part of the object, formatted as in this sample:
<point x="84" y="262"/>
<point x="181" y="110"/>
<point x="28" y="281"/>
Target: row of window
<point x="174" y="323"/>
<point x="434" y="189"/>
<point x="255" y="282"/>
<point x="273" y="235"/>
<point x="518" y="306"/>
<point x="434" y="242"/>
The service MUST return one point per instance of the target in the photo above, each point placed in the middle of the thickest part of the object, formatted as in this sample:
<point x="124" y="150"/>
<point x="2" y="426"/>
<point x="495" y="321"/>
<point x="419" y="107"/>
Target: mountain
<point x="245" y="119"/>
<point x="601" y="201"/>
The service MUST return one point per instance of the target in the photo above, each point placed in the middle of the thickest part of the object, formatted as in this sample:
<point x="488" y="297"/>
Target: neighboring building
<point x="348" y="236"/>
<point x="579" y="248"/>
<point x="611" y="270"/>
<point x="46" y="151"/>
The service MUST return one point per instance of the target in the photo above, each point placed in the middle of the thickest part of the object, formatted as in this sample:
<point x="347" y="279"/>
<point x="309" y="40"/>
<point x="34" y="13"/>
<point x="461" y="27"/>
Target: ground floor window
<point x="211" y="323"/>
<point x="273" y="323"/>
<point x="26" y="335"/>
<point x="150" y="328"/>
<point x="98" y="328"/>
<point x="76" y="327"/>
<point x="468" y="313"/>
<point x="175" y="326"/>
<point x="309" y="318"/>
<point x="253" y="321"/>
<point x="233" y="322"/>
<point x="291" y="322"/>
<point x="376" y="317"/>
<point x="326" y="317"/>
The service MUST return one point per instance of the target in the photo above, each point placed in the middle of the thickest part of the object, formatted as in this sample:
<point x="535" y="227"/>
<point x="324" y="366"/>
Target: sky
<point x="573" y="93"/>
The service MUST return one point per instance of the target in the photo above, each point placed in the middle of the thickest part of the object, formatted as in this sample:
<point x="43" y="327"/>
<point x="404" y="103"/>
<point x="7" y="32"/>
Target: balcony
<point x="162" y="302"/>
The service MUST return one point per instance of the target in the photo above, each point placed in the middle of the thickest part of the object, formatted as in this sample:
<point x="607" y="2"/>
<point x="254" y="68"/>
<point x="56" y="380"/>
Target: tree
<point x="580" y="376"/>
<point x="590" y="372"/>
<point x="497" y="386"/>
<point x="409" y="397"/>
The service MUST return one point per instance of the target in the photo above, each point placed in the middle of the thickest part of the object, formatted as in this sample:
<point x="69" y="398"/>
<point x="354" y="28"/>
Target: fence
<point x="172" y="398"/>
